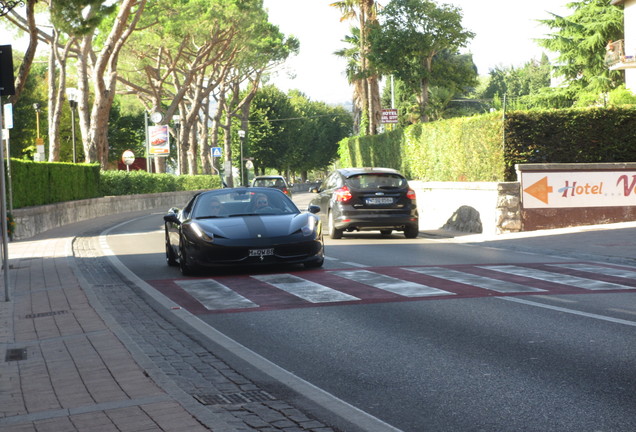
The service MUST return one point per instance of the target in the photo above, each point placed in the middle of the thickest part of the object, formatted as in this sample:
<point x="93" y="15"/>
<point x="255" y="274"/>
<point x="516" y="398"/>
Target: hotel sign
<point x="578" y="189"/>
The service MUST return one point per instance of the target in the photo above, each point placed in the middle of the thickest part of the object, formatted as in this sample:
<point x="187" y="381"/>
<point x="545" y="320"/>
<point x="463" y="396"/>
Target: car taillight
<point x="343" y="194"/>
<point x="285" y="191"/>
<point x="410" y="194"/>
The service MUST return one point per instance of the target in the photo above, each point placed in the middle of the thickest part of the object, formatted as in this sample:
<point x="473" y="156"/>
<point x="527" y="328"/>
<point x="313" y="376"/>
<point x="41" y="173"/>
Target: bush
<point x="142" y="182"/>
<point x="476" y="149"/>
<point x="40" y="183"/>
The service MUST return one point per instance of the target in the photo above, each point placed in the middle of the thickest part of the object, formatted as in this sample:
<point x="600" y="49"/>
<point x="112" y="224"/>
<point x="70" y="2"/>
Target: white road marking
<point x="570" y="311"/>
<point x="474" y="280"/>
<point x="596" y="269"/>
<point x="574" y="281"/>
<point x="214" y="295"/>
<point x="353" y="264"/>
<point x="391" y="284"/>
<point x="305" y="289"/>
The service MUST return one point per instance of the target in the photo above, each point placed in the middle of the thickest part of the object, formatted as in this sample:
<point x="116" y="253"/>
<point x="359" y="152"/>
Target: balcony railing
<point x="616" y="58"/>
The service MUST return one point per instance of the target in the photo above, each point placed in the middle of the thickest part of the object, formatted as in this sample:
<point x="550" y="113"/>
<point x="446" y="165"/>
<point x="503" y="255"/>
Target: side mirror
<point x="313" y="209"/>
<point x="171" y="217"/>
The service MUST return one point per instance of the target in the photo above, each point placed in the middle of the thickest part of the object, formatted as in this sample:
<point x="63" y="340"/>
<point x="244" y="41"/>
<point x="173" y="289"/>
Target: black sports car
<point x="242" y="226"/>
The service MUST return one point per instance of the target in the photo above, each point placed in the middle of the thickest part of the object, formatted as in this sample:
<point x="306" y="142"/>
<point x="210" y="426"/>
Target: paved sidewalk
<point x="64" y="369"/>
<point x="83" y="352"/>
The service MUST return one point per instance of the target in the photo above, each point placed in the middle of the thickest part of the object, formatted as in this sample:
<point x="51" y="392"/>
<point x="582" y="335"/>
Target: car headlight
<point x="198" y="231"/>
<point x="310" y="228"/>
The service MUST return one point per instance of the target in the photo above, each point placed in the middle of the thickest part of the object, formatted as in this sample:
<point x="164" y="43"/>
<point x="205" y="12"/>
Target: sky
<point x="504" y="30"/>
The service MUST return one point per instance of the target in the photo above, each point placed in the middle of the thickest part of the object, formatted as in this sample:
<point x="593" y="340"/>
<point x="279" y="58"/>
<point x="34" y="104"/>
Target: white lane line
<point x="391" y="284"/>
<point x="214" y="295"/>
<point x="570" y="311"/>
<point x="353" y="264"/>
<point x="574" y="281"/>
<point x="474" y="280"/>
<point x="608" y="271"/>
<point x="305" y="289"/>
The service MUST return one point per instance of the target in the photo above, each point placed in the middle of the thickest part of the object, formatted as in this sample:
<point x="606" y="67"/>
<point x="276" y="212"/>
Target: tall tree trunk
<point x="423" y="98"/>
<point x="29" y="55"/>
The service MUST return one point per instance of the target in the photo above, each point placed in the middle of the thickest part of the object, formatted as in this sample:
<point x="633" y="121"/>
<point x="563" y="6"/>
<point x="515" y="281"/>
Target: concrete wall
<point x="34" y="220"/>
<point x="461" y="206"/>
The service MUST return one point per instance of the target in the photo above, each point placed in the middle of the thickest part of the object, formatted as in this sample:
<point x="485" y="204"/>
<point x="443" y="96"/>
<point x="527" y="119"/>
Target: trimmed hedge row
<point x="474" y="149"/>
<point x="40" y="183"/>
<point x="141" y="182"/>
<point x="37" y="183"/>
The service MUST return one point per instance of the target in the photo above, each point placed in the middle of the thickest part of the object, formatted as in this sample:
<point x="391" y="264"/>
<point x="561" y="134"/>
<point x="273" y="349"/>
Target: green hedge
<point x="571" y="136"/>
<point x="141" y="182"/>
<point x="438" y="151"/>
<point x="473" y="148"/>
<point x="37" y="183"/>
<point x="40" y="183"/>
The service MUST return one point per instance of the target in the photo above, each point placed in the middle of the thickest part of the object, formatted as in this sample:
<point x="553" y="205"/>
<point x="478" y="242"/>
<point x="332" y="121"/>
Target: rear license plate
<point x="261" y="252"/>
<point x="376" y="201"/>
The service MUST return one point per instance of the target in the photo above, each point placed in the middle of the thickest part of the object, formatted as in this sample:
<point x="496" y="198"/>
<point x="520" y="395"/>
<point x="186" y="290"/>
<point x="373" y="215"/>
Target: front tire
<point x="184" y="266"/>
<point x="314" y="264"/>
<point x="171" y="257"/>
<point x="334" y="233"/>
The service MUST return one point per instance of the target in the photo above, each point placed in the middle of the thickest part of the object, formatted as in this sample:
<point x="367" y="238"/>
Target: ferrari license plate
<point x="261" y="252"/>
<point x="376" y="201"/>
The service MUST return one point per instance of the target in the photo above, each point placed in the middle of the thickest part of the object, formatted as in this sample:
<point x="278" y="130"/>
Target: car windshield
<point x="376" y="181"/>
<point x="224" y="203"/>
<point x="269" y="182"/>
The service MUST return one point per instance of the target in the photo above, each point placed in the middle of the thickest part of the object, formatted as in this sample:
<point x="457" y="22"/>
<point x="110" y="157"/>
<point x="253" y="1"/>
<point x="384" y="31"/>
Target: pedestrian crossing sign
<point x="216" y="152"/>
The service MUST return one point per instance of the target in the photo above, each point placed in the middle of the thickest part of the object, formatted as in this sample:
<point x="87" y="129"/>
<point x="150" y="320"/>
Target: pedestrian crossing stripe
<point x="307" y="290"/>
<point x="384" y="284"/>
<point x="474" y="280"/>
<point x="559" y="278"/>
<point x="391" y="284"/>
<point x="214" y="295"/>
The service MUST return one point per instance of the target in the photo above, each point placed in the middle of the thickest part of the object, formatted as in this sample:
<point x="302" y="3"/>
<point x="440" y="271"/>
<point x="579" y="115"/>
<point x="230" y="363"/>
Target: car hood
<point x="256" y="226"/>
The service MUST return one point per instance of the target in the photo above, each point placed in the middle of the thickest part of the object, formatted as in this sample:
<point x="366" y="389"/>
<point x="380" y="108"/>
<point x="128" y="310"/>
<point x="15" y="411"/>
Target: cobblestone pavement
<point x="219" y="397"/>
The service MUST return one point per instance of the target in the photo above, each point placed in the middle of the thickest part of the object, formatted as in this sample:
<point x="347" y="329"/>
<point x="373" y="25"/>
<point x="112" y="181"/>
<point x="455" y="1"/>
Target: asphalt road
<point x="474" y="353"/>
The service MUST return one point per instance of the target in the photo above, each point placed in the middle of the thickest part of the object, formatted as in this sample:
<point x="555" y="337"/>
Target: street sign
<point x="128" y="157"/>
<point x="389" y="116"/>
<point x="216" y="152"/>
<point x="159" y="140"/>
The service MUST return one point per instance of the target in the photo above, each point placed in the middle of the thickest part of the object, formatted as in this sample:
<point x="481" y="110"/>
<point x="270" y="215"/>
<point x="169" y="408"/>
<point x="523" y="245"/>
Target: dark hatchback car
<point x="361" y="199"/>
<point x="272" y="181"/>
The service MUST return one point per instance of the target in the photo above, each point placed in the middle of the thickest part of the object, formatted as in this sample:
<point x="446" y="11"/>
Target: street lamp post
<point x="36" y="107"/>
<point x="241" y="133"/>
<point x="176" y="118"/>
<point x="72" y="94"/>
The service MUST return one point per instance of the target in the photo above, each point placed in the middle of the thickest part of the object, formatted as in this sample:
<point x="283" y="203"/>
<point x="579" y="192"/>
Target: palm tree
<point x="366" y="80"/>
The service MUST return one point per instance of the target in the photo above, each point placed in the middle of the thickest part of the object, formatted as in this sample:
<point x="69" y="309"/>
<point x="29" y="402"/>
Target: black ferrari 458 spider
<point x="242" y="226"/>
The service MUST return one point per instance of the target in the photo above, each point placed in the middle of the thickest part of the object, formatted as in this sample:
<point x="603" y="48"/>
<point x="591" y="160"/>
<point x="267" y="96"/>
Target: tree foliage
<point x="580" y="40"/>
<point x="292" y="134"/>
<point x="410" y="34"/>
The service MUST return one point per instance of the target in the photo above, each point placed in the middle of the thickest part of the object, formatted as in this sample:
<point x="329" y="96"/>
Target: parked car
<point x="242" y="226"/>
<point x="360" y="199"/>
<point x="272" y="181"/>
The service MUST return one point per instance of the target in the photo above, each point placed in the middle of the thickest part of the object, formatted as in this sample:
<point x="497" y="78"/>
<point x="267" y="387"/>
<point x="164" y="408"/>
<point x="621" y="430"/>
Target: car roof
<point x="269" y="177"/>
<point x="348" y="172"/>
